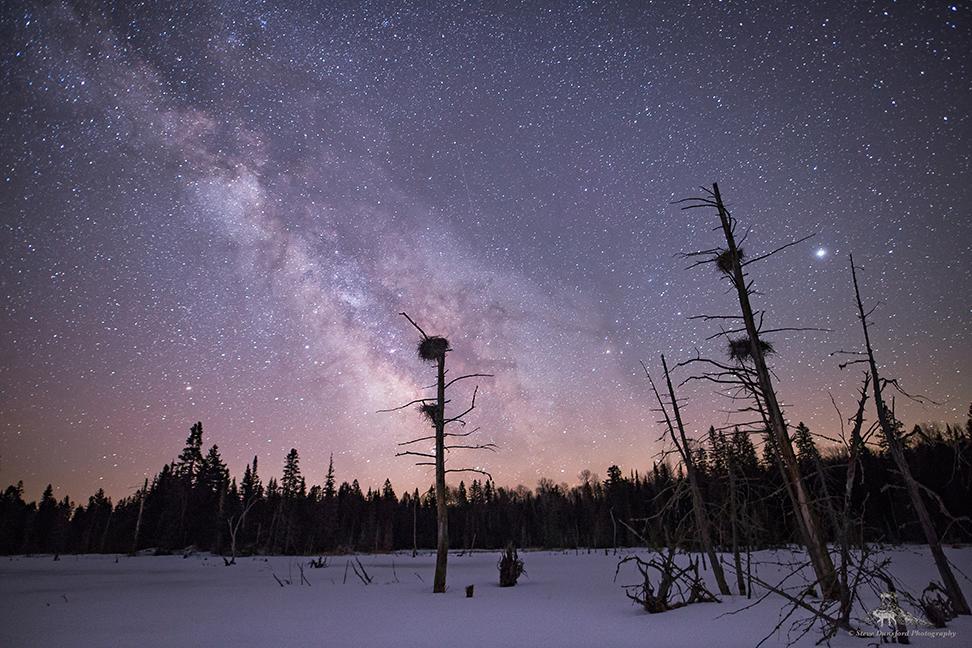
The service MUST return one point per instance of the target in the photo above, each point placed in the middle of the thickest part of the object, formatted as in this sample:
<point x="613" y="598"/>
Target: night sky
<point x="216" y="214"/>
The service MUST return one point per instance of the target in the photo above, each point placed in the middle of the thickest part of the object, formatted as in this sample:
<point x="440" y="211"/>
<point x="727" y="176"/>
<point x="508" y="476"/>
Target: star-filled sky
<point x="215" y="210"/>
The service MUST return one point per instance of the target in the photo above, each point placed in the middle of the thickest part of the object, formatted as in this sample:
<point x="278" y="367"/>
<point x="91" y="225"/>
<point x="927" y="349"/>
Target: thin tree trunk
<point x="219" y="519"/>
<point x="614" y="524"/>
<point x="737" y="560"/>
<point x="698" y="504"/>
<point x="415" y="528"/>
<point x="441" y="513"/>
<point x="814" y="542"/>
<point x="959" y="603"/>
<point x="138" y="521"/>
<point x="857" y="442"/>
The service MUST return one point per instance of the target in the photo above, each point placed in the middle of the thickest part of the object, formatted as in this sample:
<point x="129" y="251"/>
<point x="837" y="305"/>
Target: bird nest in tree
<point x="741" y="351"/>
<point x="432" y="348"/>
<point x="429" y="410"/>
<point x="725" y="258"/>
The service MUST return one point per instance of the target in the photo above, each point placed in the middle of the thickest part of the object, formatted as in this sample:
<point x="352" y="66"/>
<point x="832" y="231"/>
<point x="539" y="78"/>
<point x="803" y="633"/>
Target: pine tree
<point x="45" y="521"/>
<point x="743" y="453"/>
<point x="250" y="484"/>
<point x="717" y="453"/>
<point x="290" y="482"/>
<point x="807" y="452"/>
<point x="191" y="458"/>
<point x="387" y="492"/>
<point x="213" y="473"/>
<point x="329" y="491"/>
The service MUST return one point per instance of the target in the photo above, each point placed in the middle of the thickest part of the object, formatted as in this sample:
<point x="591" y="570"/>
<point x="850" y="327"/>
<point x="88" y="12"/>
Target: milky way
<point x="217" y="214"/>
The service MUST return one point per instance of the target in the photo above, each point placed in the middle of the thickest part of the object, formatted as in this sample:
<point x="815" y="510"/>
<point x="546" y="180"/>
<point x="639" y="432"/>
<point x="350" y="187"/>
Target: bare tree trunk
<point x="737" y="560"/>
<point x="434" y="348"/>
<point x="219" y="516"/>
<point x="234" y="528"/>
<point x="441" y="512"/>
<point x="104" y="534"/>
<point x="614" y="525"/>
<point x="415" y="528"/>
<point x="138" y="521"/>
<point x="698" y="504"/>
<point x="856" y="444"/>
<point x="888" y="427"/>
<point x="814" y="542"/>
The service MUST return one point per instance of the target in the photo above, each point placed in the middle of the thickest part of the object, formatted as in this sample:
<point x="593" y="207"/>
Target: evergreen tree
<point x="250" y="483"/>
<point x="213" y="474"/>
<point x="717" y="452"/>
<point x="329" y="491"/>
<point x="191" y="458"/>
<point x="806" y="449"/>
<point x="743" y="453"/>
<point x="45" y="522"/>
<point x="291" y="481"/>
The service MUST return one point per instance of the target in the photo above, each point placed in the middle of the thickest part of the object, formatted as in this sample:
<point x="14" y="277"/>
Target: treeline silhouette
<point x="193" y="502"/>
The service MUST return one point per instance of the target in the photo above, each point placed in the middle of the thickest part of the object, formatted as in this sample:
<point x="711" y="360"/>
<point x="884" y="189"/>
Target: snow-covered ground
<point x="566" y="599"/>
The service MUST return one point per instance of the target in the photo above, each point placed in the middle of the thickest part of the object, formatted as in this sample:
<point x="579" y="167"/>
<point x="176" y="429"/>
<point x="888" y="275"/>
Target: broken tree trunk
<point x="853" y="457"/>
<point x="889" y="429"/>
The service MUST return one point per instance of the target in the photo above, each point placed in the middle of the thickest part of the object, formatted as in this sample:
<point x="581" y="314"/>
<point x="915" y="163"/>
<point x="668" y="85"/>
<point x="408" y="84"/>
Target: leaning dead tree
<point x="681" y="443"/>
<point x="890" y="430"/>
<point x="433" y="349"/>
<point x="751" y="375"/>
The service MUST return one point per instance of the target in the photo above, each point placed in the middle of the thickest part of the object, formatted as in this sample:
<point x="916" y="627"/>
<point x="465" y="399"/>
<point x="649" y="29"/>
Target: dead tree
<point x="234" y="528"/>
<point x="510" y="567"/>
<point x="681" y="443"/>
<point x="751" y="349"/>
<point x="138" y="521"/>
<point x="415" y="526"/>
<point x="889" y="428"/>
<point x="721" y="447"/>
<point x="854" y="448"/>
<point x="673" y="581"/>
<point x="433" y="349"/>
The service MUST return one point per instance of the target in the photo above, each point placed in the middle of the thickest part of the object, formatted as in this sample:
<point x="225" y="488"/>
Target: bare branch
<point x="414" y="454"/>
<point x="473" y="375"/>
<point x="485" y="446"/>
<point x="472" y="406"/>
<point x="424" y="334"/>
<point x="408" y="404"/>
<point x="779" y="249"/>
<point x="472" y="470"/>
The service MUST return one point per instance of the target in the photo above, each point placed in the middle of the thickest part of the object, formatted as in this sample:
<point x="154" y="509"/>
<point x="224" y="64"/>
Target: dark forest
<point x="194" y="504"/>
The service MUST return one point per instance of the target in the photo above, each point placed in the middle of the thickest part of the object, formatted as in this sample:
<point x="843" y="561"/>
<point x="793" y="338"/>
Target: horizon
<point x="825" y="445"/>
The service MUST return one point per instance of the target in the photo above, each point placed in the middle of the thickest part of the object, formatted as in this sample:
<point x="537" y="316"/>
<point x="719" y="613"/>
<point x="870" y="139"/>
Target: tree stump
<point x="510" y="567"/>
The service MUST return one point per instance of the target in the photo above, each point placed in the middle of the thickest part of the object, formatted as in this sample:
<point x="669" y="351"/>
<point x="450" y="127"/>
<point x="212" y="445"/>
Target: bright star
<point x="821" y="253"/>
